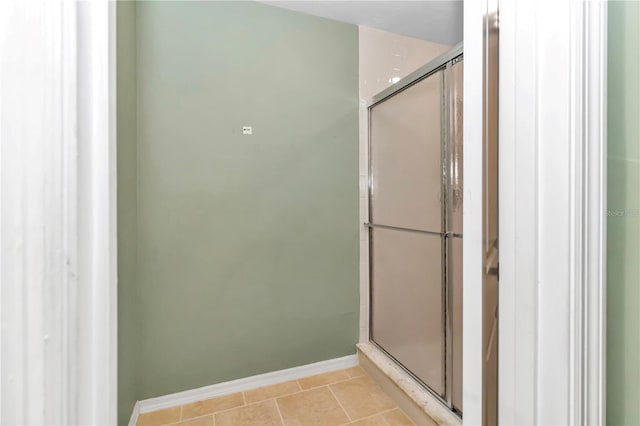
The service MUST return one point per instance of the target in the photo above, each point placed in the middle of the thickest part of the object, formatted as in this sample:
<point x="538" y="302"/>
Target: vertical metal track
<point x="446" y="243"/>
<point x="490" y="234"/>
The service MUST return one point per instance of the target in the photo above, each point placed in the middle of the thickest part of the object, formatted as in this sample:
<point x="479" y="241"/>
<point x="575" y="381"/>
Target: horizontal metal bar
<point x="397" y="228"/>
<point x="422" y="231"/>
<point x="418" y="74"/>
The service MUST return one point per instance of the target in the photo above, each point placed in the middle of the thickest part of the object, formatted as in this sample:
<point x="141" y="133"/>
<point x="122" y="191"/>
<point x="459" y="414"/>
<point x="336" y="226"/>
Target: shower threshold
<point x="419" y="404"/>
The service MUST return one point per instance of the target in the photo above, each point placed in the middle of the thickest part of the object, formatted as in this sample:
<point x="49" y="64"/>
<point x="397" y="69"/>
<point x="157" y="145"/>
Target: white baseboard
<point x="134" y="414"/>
<point x="247" y="383"/>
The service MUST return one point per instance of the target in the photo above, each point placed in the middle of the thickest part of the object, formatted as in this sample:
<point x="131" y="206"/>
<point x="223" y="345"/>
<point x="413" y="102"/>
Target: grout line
<point x="244" y="398"/>
<point x="249" y="404"/>
<point x="361" y="375"/>
<point x="339" y="403"/>
<point x="181" y="412"/>
<point x="332" y="383"/>
<point x="342" y="381"/>
<point x="229" y="409"/>
<point x="279" y="412"/>
<point x="213" y="413"/>
<point x="190" y="418"/>
<point x="274" y="397"/>
<point x="383" y="412"/>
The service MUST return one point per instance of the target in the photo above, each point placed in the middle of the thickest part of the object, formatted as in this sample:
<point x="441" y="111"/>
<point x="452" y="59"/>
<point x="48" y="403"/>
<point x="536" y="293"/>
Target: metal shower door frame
<point x="442" y="62"/>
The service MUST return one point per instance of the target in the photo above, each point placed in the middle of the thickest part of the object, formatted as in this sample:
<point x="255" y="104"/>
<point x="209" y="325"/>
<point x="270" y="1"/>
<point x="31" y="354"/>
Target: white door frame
<point x="58" y="300"/>
<point x="472" y="213"/>
<point x="552" y="170"/>
<point x="552" y="222"/>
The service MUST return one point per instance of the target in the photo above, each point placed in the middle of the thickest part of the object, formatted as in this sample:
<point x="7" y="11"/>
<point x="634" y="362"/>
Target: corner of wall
<point x="127" y="207"/>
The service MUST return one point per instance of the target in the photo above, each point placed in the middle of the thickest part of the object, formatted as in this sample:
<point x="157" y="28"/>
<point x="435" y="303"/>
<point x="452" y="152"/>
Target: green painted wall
<point x="247" y="246"/>
<point x="623" y="226"/>
<point x="128" y="299"/>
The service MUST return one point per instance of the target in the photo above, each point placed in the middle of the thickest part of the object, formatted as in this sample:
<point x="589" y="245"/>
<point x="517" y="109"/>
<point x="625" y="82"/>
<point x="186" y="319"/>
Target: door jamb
<point x="553" y="84"/>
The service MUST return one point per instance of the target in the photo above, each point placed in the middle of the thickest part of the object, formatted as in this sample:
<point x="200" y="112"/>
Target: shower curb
<point x="417" y="402"/>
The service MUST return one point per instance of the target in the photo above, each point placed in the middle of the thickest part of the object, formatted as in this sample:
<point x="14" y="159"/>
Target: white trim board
<point x="135" y="413"/>
<point x="239" y="385"/>
<point x="552" y="171"/>
<point x="472" y="213"/>
<point x="58" y="213"/>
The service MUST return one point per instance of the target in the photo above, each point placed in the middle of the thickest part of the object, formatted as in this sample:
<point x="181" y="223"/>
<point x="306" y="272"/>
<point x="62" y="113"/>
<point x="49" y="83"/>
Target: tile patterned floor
<point x="344" y="397"/>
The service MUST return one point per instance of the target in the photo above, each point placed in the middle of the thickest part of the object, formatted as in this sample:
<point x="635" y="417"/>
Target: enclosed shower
<point x="415" y="225"/>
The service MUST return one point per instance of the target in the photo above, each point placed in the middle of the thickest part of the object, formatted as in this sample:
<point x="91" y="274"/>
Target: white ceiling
<point x="436" y="21"/>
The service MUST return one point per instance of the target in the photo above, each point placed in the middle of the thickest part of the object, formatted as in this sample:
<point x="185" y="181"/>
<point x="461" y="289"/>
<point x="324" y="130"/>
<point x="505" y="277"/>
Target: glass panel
<point x="406" y="168"/>
<point x="406" y="294"/>
<point x="455" y="155"/>
<point x="455" y="278"/>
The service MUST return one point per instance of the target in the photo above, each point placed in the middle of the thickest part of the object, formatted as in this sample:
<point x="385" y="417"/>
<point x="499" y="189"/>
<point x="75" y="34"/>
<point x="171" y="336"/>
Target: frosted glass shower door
<point x="406" y="164"/>
<point x="407" y="287"/>
<point x="407" y="301"/>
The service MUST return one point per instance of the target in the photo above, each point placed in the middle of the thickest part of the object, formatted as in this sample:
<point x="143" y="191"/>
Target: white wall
<point x="385" y="55"/>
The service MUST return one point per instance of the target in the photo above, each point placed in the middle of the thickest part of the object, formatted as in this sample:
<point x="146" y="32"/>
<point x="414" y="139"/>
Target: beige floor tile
<point x="198" y="421"/>
<point x="272" y="391"/>
<point x="361" y="397"/>
<point x="397" y="418"/>
<point x="356" y="371"/>
<point x="160" y="417"/>
<point x="210" y="406"/>
<point x="323" y="379"/>
<point x="388" y="418"/>
<point x="263" y="413"/>
<point x="314" y="407"/>
<point x="377" y="420"/>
